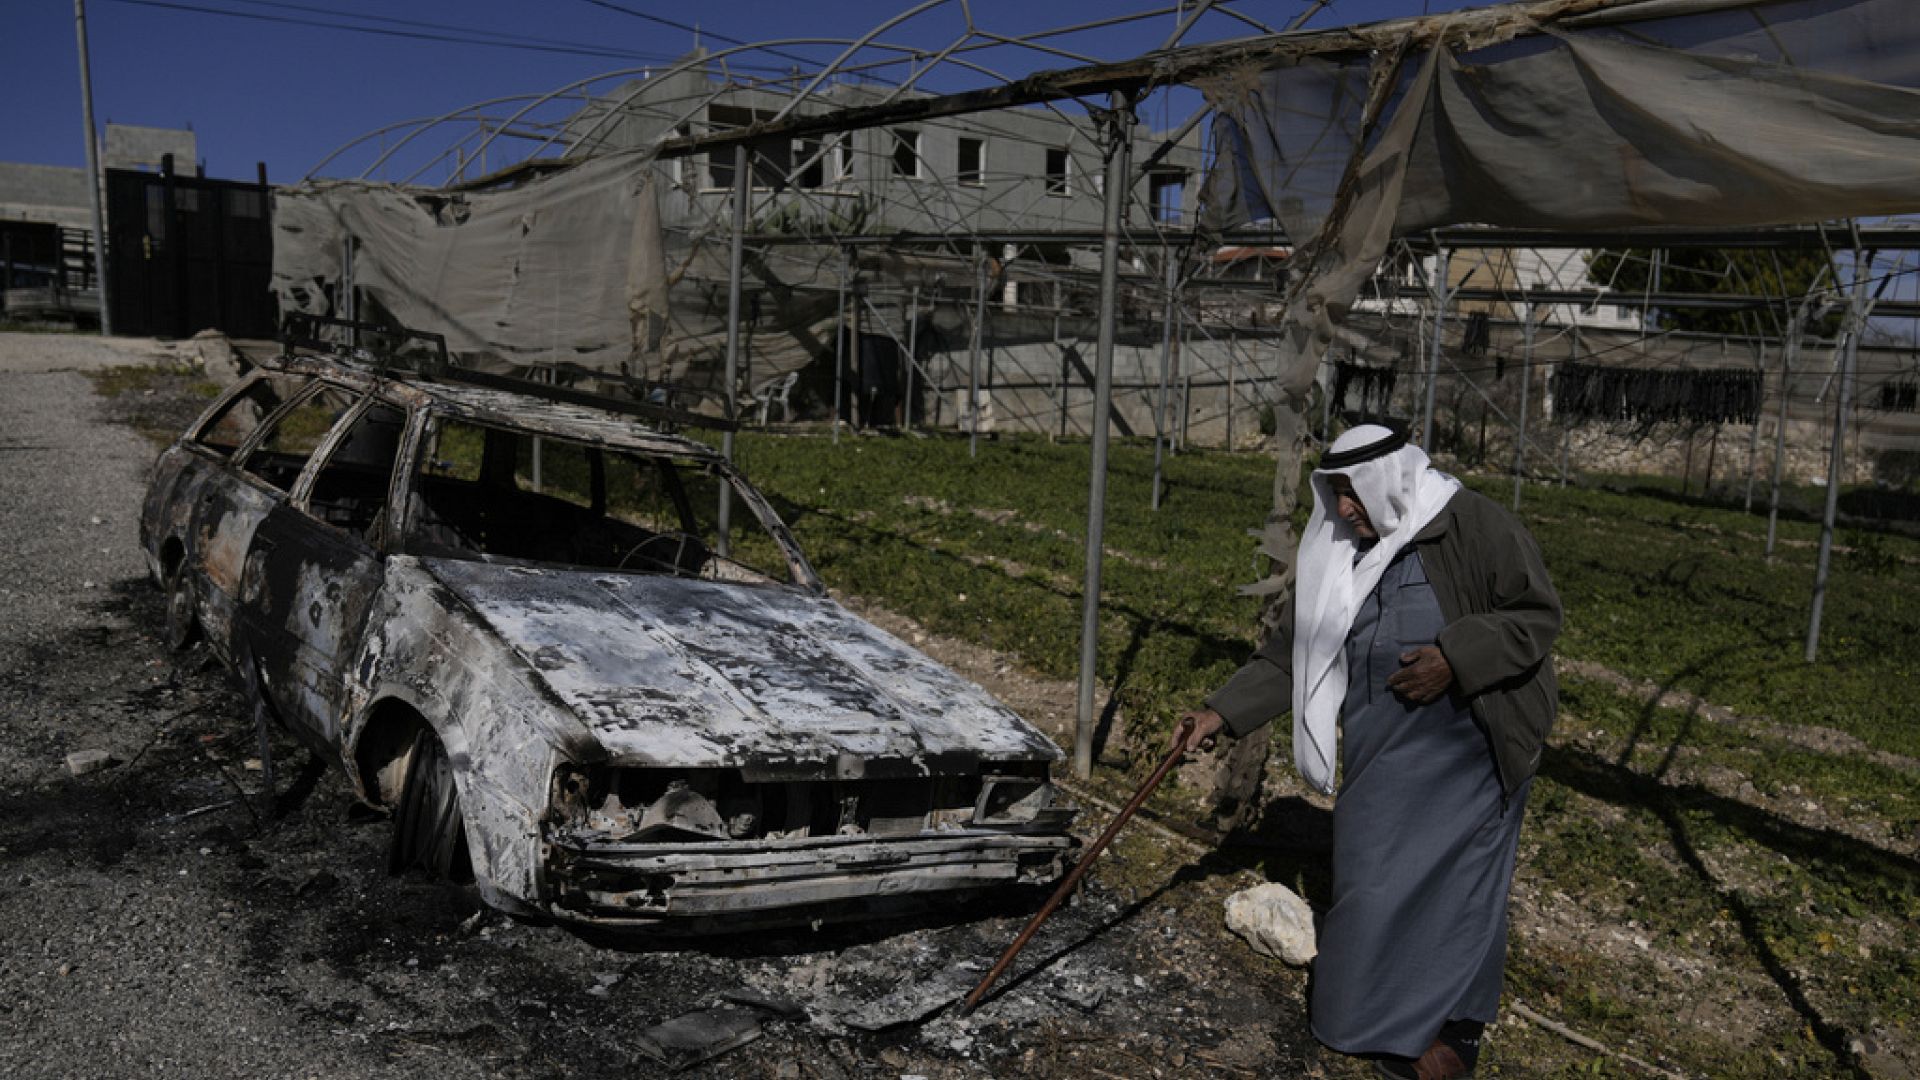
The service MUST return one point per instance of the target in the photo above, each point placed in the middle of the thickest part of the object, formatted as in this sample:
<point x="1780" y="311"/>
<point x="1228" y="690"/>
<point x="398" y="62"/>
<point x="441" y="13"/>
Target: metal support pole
<point x="839" y="347"/>
<point x="182" y="327"/>
<point x="1119" y="171"/>
<point x="1566" y="435"/>
<point x="742" y="194"/>
<point x="1753" y="436"/>
<point x="1526" y="384"/>
<point x="913" y="353"/>
<point x="1185" y="377"/>
<point x="94" y="178"/>
<point x="1166" y="360"/>
<point x="1233" y="383"/>
<point x="345" y="300"/>
<point x="1856" y="324"/>
<point x="1787" y="356"/>
<point x="1439" y="289"/>
<point x="973" y="354"/>
<point x="1326" y="399"/>
<point x="1061" y="379"/>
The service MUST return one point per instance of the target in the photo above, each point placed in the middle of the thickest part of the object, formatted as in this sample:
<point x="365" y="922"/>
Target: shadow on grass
<point x="1866" y="509"/>
<point x="1831" y="853"/>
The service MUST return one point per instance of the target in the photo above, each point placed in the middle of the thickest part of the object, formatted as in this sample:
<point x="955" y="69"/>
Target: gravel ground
<point x="165" y="916"/>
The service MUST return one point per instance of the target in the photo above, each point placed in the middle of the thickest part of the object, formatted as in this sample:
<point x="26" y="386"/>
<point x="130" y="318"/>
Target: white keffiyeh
<point x="1401" y="492"/>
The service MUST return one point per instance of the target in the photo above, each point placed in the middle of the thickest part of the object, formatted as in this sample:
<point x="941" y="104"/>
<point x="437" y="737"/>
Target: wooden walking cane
<point x="1080" y="868"/>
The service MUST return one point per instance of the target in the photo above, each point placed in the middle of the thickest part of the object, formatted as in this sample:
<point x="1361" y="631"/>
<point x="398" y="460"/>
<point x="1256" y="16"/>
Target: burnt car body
<point x="514" y="623"/>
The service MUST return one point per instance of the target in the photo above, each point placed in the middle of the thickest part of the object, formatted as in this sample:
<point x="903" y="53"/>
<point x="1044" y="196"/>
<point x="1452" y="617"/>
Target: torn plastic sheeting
<point x="1560" y="116"/>
<point x="567" y="268"/>
<point x="1695" y="119"/>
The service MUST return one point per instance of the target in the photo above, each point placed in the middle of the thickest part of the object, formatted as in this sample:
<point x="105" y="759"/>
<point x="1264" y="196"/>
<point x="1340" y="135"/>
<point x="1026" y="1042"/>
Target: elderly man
<point x="1419" y="633"/>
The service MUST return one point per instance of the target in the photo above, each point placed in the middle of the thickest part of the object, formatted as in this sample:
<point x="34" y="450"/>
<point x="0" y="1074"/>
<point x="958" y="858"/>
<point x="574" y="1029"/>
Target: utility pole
<point x="93" y="170"/>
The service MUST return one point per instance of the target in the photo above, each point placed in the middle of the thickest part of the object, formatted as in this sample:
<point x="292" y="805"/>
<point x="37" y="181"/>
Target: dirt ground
<point x="168" y="916"/>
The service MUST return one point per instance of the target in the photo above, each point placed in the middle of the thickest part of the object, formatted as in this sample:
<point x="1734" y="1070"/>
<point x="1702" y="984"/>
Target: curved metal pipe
<point x="424" y="121"/>
<point x="859" y="43"/>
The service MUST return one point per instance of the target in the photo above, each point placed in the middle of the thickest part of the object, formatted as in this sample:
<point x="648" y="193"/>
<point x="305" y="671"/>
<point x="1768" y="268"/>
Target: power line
<point x="521" y="43"/>
<point x="694" y="30"/>
<point x="516" y="38"/>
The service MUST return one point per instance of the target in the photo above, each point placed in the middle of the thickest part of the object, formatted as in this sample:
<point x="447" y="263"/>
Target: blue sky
<point x="277" y="81"/>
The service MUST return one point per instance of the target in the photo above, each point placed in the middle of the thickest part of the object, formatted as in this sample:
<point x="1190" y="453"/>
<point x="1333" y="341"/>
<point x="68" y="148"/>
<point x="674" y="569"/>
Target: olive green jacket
<point x="1502" y="616"/>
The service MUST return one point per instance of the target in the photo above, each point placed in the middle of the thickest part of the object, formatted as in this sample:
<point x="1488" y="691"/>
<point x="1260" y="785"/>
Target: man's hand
<point x="1206" y="725"/>
<point x="1424" y="678"/>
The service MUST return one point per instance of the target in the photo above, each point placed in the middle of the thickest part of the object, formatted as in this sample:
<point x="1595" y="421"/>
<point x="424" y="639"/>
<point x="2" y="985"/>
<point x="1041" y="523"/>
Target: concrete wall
<point x="1218" y="391"/>
<point x="57" y="194"/>
<point x="128" y="146"/>
<point x="45" y="193"/>
<point x="1669" y="452"/>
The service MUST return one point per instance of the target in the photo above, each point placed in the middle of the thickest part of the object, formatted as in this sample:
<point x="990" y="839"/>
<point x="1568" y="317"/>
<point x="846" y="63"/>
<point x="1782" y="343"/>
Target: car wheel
<point x="183" y="625"/>
<point x="428" y="829"/>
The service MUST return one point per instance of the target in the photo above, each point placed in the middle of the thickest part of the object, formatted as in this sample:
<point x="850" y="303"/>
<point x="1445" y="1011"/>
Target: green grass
<point x="140" y="378"/>
<point x="1666" y="591"/>
<point x="1682" y="595"/>
<point x="155" y="400"/>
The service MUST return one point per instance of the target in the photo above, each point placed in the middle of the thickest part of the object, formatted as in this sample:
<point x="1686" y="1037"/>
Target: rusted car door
<point x="227" y="508"/>
<point x="179" y="517"/>
<point x="314" y="568"/>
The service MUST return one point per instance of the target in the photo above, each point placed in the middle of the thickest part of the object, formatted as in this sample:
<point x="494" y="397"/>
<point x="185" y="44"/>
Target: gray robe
<point x="1423" y="847"/>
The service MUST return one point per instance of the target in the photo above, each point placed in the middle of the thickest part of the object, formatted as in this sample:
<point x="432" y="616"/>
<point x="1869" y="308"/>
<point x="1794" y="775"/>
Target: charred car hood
<point x="776" y="681"/>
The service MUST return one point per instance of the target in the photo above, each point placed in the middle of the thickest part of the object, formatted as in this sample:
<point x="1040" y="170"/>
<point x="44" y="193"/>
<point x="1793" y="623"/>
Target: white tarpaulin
<point x="566" y="269"/>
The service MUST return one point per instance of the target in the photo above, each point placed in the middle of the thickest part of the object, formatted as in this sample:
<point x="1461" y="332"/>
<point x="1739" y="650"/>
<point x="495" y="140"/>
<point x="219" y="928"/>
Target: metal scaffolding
<point x="804" y="215"/>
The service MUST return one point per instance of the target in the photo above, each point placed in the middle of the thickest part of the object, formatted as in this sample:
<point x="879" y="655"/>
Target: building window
<point x="906" y="153"/>
<point x="973" y="162"/>
<point x="843" y="157"/>
<point x="1059" y="172"/>
<point x="810" y="159"/>
<point x="771" y="165"/>
<point x="1166" y="191"/>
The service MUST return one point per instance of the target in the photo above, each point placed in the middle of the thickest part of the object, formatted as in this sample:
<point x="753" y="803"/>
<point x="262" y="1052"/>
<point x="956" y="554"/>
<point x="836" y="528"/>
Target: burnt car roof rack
<point x="388" y="350"/>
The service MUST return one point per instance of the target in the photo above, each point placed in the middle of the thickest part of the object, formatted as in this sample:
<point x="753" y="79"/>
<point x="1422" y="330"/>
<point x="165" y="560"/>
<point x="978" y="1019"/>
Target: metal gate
<point x="188" y="254"/>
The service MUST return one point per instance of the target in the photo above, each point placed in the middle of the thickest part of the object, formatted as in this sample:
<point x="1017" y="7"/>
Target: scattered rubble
<point x="82" y="762"/>
<point x="694" y="1037"/>
<point x="214" y="354"/>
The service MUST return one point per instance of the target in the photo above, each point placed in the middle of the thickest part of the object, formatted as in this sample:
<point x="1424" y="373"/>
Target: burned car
<point x="518" y="625"/>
